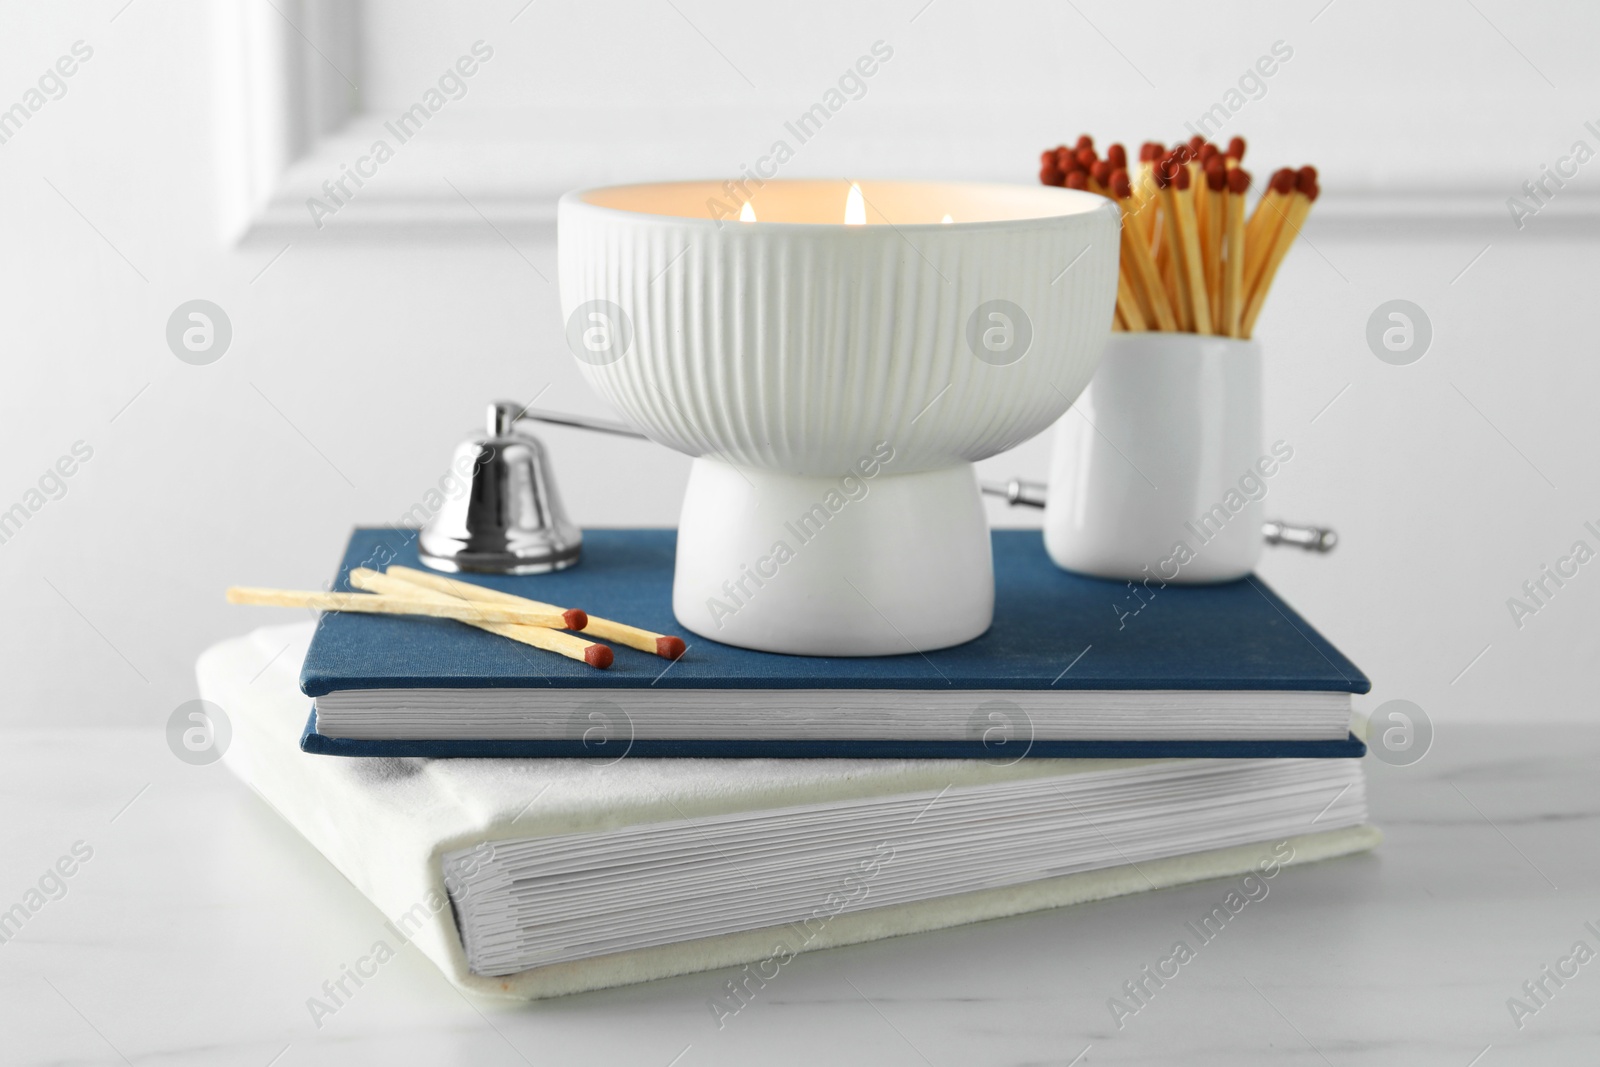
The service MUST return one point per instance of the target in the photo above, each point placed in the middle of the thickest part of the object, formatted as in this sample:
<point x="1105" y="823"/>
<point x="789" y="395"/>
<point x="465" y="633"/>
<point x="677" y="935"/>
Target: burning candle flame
<point x="947" y="220"/>
<point x="747" y="213"/>
<point x="855" y="208"/>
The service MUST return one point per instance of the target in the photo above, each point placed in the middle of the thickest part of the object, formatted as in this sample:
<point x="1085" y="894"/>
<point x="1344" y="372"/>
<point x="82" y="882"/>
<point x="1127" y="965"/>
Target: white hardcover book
<point x="537" y="877"/>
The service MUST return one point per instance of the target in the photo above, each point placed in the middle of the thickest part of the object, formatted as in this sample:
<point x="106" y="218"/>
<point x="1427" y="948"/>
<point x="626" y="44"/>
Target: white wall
<point x="365" y="350"/>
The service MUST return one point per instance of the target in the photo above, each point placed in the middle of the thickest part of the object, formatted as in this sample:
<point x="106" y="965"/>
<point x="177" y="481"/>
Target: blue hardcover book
<point x="1073" y="667"/>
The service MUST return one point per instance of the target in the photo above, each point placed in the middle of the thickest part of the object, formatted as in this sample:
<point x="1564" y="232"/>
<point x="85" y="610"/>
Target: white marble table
<point x="201" y="924"/>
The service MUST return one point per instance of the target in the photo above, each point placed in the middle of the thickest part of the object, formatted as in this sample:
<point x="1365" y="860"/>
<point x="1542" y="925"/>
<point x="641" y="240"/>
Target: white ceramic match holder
<point x="1159" y="471"/>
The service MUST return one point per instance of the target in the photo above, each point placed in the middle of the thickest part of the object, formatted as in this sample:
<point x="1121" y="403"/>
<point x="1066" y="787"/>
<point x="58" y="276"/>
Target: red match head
<point x="1238" y="181"/>
<point x="1236" y="148"/>
<point x="1049" y="175"/>
<point x="575" y="619"/>
<point x="1180" y="179"/>
<point x="1086" y="158"/>
<point x="1118" y="156"/>
<point x="669" y="647"/>
<point x="1077" y="180"/>
<point x="1216" y="175"/>
<point x="1164" y="168"/>
<point x="1121" y="187"/>
<point x="1283" y="181"/>
<point x="1101" y="171"/>
<point x="598" y="656"/>
<point x="1084" y="141"/>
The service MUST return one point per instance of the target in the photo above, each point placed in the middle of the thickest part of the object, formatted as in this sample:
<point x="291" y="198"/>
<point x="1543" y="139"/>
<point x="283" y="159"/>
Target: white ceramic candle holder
<point x="834" y="383"/>
<point x="1159" y="472"/>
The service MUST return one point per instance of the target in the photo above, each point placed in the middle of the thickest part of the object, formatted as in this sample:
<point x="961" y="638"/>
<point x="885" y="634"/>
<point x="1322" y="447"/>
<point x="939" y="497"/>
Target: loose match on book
<point x="406" y="591"/>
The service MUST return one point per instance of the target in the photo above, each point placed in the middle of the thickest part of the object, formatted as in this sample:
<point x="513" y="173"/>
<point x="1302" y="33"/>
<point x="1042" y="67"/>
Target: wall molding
<point x="291" y="119"/>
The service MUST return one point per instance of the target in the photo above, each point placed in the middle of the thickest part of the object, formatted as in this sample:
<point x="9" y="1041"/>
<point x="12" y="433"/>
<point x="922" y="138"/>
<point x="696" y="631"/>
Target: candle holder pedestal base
<point x="847" y="565"/>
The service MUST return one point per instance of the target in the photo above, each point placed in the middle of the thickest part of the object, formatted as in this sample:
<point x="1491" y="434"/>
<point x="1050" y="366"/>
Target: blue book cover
<point x="1053" y="631"/>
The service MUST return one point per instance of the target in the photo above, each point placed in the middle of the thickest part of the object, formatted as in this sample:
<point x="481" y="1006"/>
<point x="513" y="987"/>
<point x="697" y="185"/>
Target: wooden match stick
<point x="1162" y="250"/>
<point x="1127" y="315"/>
<point x="1086" y="159"/>
<point x="1233" y="269"/>
<point x="1144" y="192"/>
<point x="408" y="581"/>
<point x="1189" y="246"/>
<point x="1128" y="304"/>
<point x="664" y="645"/>
<point x="1236" y="148"/>
<point x="1199" y="167"/>
<point x="1215" y="200"/>
<point x="1194" y="161"/>
<point x="1116" y="159"/>
<point x="1100" y="177"/>
<point x="1184" y="238"/>
<point x="564" y="644"/>
<point x="1173" y="278"/>
<point x="1262" y="229"/>
<point x="1300" y="201"/>
<point x="1136" y="254"/>
<point x="388" y="605"/>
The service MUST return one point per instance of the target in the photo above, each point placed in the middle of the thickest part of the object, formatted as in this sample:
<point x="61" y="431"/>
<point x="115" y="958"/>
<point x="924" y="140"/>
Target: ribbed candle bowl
<point x="835" y="382"/>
